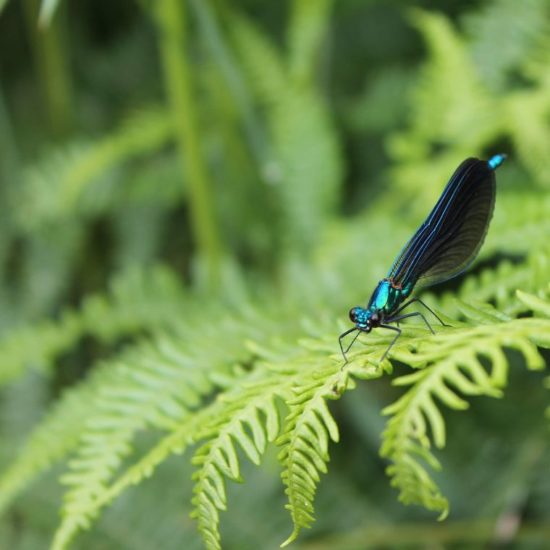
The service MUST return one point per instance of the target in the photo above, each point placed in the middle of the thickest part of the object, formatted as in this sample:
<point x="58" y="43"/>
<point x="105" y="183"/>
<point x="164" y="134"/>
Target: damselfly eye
<point x="353" y="314"/>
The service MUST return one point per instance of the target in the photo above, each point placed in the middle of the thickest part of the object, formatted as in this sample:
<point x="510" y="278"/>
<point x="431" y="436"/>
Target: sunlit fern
<point x="154" y="386"/>
<point x="141" y="389"/>
<point x="449" y="365"/>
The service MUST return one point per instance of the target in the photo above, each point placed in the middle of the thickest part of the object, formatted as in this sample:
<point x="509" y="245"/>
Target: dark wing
<point x="450" y="238"/>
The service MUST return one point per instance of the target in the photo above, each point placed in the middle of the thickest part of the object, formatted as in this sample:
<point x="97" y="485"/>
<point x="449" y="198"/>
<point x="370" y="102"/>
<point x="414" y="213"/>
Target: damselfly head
<point x="361" y="318"/>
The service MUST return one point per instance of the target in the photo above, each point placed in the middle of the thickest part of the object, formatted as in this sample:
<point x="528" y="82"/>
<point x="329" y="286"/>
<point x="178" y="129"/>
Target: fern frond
<point x="108" y="436"/>
<point x="305" y="439"/>
<point x="519" y="230"/>
<point x="103" y="413"/>
<point x="248" y="417"/>
<point x="497" y="28"/>
<point x="305" y="142"/>
<point x="527" y="114"/>
<point x="137" y="300"/>
<point x="534" y="303"/>
<point x="450" y="366"/>
<point x="307" y="430"/>
<point x="311" y="172"/>
<point x="59" y="187"/>
<point x="450" y="101"/>
<point x="526" y="111"/>
<point x="57" y="435"/>
<point x="130" y="386"/>
<point x="176" y="442"/>
<point x="498" y="285"/>
<point x="160" y="386"/>
<point x="246" y="414"/>
<point x="452" y="105"/>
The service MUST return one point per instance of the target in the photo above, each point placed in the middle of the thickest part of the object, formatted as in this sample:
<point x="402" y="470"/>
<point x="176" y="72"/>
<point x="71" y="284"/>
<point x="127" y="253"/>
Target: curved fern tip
<point x="341" y="385"/>
<point x="387" y="366"/>
<point x="293" y="536"/>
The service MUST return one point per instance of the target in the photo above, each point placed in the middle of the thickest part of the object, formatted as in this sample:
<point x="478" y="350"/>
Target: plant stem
<point x="9" y="155"/>
<point x="171" y="19"/>
<point x="9" y="173"/>
<point x="52" y="68"/>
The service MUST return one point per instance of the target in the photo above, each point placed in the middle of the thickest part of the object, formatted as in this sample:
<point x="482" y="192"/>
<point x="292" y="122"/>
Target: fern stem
<point x="307" y="31"/>
<point x="171" y="19"/>
<point x="52" y="68"/>
<point x="9" y="154"/>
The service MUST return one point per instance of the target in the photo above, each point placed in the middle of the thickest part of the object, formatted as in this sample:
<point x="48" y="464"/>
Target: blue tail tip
<point x="496" y="160"/>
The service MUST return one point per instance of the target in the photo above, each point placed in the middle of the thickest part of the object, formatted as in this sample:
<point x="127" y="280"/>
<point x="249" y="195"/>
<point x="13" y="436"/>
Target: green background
<point x="166" y="165"/>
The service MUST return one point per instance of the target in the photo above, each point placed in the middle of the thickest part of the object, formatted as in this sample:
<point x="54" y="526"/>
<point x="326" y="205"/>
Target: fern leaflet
<point x="248" y="417"/>
<point x="306" y="433"/>
<point x="449" y="364"/>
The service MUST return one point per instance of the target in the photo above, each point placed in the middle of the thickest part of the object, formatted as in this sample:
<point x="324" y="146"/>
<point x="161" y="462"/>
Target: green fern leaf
<point x="449" y="366"/>
<point x="141" y="392"/>
<point x="305" y="143"/>
<point x="534" y="303"/>
<point x="527" y="113"/>
<point x="137" y="300"/>
<point x="59" y="433"/>
<point x="491" y="30"/>
<point x="306" y="433"/>
<point x="162" y="385"/>
<point x="500" y="284"/>
<point x="54" y="190"/>
<point x="249" y="418"/>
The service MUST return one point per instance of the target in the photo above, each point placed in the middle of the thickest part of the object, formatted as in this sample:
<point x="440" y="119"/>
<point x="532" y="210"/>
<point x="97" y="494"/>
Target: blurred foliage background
<point x="231" y="177"/>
